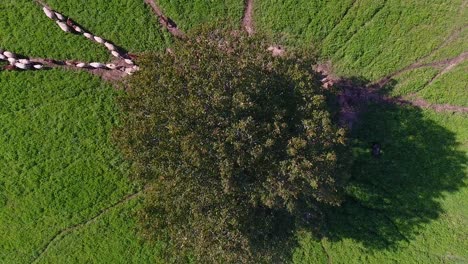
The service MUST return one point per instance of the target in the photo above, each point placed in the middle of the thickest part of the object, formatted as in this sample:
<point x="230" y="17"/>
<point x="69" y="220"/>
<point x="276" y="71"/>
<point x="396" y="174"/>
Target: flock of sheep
<point x="67" y="25"/>
<point x="15" y="63"/>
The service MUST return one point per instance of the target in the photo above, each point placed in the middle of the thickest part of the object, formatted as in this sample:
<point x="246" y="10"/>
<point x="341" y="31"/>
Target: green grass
<point x="457" y="44"/>
<point x="111" y="239"/>
<point x="60" y="169"/>
<point x="368" y="38"/>
<point x="58" y="164"/>
<point x="412" y="82"/>
<point x="450" y="88"/>
<point x="189" y="14"/>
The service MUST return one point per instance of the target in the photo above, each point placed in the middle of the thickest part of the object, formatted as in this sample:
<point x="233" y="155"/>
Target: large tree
<point x="236" y="145"/>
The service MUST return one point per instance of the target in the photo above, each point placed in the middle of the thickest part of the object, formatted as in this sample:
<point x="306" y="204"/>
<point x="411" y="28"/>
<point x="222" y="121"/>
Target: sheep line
<point x="67" y="25"/>
<point x="17" y="63"/>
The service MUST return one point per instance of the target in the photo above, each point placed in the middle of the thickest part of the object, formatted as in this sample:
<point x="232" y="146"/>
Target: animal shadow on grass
<point x="391" y="197"/>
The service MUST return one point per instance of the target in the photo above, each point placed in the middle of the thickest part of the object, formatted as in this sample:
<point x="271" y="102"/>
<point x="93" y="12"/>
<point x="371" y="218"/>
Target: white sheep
<point x="109" y="46"/>
<point x="2" y="57"/>
<point x="129" y="61"/>
<point x="63" y="26"/>
<point x="129" y="71"/>
<point x="97" y="65"/>
<point x="38" y="66"/>
<point x="87" y="35"/>
<point x="24" y="61"/>
<point x="116" y="54"/>
<point x="111" y="66"/>
<point x="59" y="16"/>
<point x="81" y="65"/>
<point x="21" y="66"/>
<point x="9" y="54"/>
<point x="11" y="60"/>
<point x="99" y="40"/>
<point x="49" y="13"/>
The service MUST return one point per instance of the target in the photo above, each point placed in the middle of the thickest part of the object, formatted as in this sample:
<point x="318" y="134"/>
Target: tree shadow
<point x="391" y="197"/>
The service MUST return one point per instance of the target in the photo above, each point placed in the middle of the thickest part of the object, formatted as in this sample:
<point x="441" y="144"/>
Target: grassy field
<point x="59" y="167"/>
<point x="365" y="38"/>
<point x="189" y="14"/>
<point x="63" y="183"/>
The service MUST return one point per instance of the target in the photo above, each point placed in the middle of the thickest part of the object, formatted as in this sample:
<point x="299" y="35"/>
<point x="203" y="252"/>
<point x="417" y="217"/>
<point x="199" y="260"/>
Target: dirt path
<point x="166" y="22"/>
<point x="329" y="258"/>
<point x="447" y="65"/>
<point x="454" y="63"/>
<point x="62" y="233"/>
<point x="419" y="102"/>
<point x="247" y="20"/>
<point x="354" y="97"/>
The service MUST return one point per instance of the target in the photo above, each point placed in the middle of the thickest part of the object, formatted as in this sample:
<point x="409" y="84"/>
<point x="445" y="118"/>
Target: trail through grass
<point x="362" y="37"/>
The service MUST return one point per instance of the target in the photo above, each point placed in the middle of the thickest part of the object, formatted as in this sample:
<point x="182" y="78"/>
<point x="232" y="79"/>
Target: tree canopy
<point x="235" y="145"/>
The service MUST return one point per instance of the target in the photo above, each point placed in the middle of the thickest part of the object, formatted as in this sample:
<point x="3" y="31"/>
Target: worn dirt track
<point x="247" y="20"/>
<point x="165" y="21"/>
<point x="446" y="64"/>
<point x="419" y="102"/>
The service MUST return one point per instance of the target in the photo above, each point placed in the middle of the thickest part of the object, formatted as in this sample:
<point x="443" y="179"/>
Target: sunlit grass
<point x="189" y="14"/>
